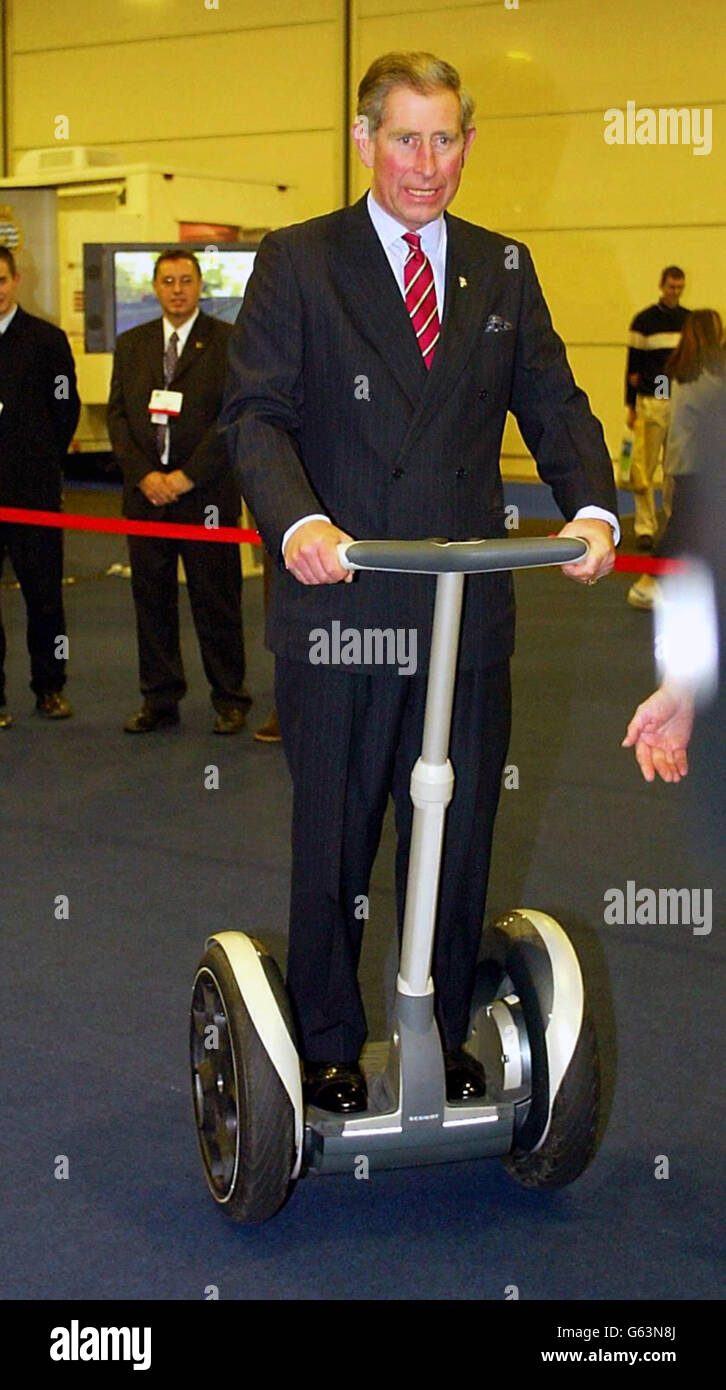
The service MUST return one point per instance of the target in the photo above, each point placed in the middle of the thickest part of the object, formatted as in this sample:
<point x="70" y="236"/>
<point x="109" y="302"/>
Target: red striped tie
<point x="420" y="291"/>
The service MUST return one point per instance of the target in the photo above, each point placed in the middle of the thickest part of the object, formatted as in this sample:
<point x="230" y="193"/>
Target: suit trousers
<point x="37" y="557"/>
<point x="350" y="740"/>
<point x="214" y="585"/>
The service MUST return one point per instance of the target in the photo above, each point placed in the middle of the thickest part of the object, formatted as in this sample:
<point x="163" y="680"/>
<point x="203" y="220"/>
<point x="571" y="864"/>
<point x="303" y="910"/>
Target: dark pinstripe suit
<point x="415" y="453"/>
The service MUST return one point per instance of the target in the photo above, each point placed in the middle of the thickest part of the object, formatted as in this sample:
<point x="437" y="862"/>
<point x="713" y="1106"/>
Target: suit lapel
<point x="366" y="283"/>
<point x="197" y="341"/>
<point x="153" y="354"/>
<point x="194" y="347"/>
<point x="17" y="323"/>
<point x="21" y="341"/>
<point x="374" y="301"/>
<point x="469" y="288"/>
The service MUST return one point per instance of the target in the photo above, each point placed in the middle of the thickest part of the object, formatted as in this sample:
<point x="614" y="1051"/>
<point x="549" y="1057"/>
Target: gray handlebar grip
<point x="461" y="557"/>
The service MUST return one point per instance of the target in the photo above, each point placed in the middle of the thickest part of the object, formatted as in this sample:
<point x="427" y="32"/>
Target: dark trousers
<point x="37" y="556"/>
<point x="350" y="740"/>
<point x="214" y="585"/>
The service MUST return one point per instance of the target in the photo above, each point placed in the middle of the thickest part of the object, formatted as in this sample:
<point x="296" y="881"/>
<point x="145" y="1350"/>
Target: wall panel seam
<point x="175" y="38"/>
<point x="590" y="110"/>
<point x="166" y="139"/>
<point x="610" y="227"/>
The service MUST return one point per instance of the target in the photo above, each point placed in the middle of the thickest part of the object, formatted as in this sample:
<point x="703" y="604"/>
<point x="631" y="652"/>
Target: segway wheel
<point x="244" y="1117"/>
<point x="570" y="1140"/>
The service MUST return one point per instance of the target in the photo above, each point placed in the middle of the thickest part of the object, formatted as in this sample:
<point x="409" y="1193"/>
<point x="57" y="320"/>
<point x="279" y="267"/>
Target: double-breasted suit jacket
<point x="329" y="409"/>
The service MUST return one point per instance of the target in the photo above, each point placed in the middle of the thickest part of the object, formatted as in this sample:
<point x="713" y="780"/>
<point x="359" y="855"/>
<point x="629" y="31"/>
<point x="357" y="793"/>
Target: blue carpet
<point x="95" y="1062"/>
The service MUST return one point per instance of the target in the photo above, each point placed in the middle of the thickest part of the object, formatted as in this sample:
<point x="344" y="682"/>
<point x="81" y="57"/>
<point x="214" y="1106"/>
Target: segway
<point x="529" y="1024"/>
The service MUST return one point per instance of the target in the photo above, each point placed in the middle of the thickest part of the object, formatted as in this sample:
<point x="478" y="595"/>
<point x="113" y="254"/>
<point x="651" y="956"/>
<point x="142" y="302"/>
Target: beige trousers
<point x="649" y="438"/>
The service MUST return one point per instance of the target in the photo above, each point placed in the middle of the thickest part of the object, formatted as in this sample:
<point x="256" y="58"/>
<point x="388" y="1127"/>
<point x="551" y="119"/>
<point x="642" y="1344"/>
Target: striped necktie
<point x="420" y="292"/>
<point x="171" y="357"/>
<point x="171" y="362"/>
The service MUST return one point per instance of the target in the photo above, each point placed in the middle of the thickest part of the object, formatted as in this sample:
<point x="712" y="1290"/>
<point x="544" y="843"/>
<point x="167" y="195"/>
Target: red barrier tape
<point x="631" y="564"/>
<point x="645" y="564"/>
<point x="171" y="529"/>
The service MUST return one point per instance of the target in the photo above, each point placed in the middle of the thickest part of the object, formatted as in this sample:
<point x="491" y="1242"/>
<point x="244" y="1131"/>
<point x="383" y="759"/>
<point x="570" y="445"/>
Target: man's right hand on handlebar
<point x="311" y="553"/>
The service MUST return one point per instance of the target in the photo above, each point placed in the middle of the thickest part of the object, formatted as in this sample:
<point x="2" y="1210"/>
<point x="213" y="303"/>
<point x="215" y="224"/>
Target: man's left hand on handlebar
<point x="600" y="557"/>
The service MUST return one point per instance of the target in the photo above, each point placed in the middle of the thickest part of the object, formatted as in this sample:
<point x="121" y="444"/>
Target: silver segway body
<point x="528" y="1024"/>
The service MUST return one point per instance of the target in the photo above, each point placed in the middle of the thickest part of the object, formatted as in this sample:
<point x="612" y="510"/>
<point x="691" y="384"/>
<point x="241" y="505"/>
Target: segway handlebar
<point x="461" y="557"/>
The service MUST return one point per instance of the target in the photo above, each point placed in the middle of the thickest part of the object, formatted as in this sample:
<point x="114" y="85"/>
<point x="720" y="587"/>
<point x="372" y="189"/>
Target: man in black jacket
<point x="39" y="409"/>
<point x="175" y="469"/>
<point x="374" y="359"/>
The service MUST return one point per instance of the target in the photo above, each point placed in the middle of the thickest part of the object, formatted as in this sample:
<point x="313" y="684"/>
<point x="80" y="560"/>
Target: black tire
<point x="244" y="1116"/>
<point x="570" y="1141"/>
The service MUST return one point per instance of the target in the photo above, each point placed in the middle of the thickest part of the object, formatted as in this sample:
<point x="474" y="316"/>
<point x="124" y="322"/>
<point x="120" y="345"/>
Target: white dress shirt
<point x="8" y="318"/>
<point x="434" y="243"/>
<point x="182" y="334"/>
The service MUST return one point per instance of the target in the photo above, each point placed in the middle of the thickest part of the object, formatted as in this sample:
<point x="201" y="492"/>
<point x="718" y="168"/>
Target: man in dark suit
<point x="175" y="468"/>
<point x="39" y="409"/>
<point x="369" y="382"/>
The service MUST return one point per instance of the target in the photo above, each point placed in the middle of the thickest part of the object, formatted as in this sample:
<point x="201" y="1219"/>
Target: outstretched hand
<point x="660" y="731"/>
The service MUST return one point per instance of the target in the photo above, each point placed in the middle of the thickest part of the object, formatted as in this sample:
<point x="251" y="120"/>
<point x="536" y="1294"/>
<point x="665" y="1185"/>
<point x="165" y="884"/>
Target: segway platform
<point x="529" y="1024"/>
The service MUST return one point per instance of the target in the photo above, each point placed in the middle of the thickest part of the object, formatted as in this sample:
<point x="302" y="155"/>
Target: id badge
<point x="162" y="404"/>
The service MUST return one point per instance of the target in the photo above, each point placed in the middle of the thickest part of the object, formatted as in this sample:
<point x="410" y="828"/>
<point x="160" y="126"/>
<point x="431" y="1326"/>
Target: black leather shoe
<point x="149" y="719"/>
<point x="339" y="1087"/>
<point x="465" y="1079"/>
<point x="6" y="717"/>
<point x="53" y="705"/>
<point x="230" y="721"/>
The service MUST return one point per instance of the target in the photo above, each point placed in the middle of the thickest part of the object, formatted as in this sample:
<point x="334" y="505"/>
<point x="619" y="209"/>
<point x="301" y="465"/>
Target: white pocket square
<point x="495" y="324"/>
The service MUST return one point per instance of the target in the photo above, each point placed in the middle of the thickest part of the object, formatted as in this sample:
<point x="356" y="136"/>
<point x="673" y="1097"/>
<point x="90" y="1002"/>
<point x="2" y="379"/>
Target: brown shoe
<point x="148" y="719"/>
<point x="269" y="732"/>
<point x="53" y="705"/>
<point x="230" y="721"/>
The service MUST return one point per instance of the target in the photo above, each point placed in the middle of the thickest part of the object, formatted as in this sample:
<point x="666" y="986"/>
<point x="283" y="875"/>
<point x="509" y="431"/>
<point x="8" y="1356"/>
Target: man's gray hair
<point x="422" y="72"/>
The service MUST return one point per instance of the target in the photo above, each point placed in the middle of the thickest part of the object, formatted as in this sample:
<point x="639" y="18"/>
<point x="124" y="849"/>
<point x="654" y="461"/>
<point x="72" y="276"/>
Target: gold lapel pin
<point x="199" y="344"/>
<point x="462" y="282"/>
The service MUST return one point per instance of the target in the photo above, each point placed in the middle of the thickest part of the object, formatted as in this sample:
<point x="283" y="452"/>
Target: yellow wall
<point x="250" y="89"/>
<point x="2" y="88"/>
<point x="255" y="90"/>
<point x="602" y="220"/>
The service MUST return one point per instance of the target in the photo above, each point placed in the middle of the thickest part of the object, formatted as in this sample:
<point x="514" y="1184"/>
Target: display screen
<point x="225" y="275"/>
<point x="118" y="292"/>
